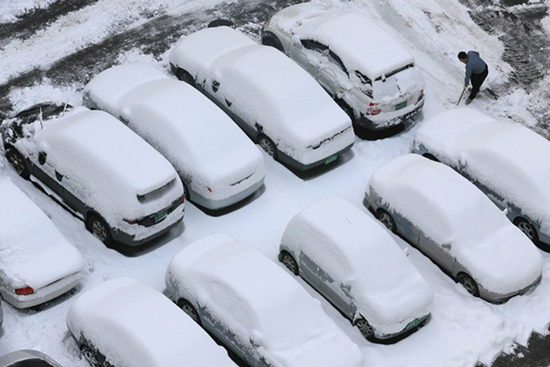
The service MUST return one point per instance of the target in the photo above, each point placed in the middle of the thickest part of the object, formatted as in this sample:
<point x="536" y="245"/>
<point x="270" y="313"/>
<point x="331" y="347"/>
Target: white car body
<point x="363" y="67"/>
<point x="256" y="308"/>
<point x="37" y="263"/>
<point x="455" y="225"/>
<point x="217" y="163"/>
<point x="266" y="94"/>
<point x="352" y="261"/>
<point x="509" y="162"/>
<point x="125" y="323"/>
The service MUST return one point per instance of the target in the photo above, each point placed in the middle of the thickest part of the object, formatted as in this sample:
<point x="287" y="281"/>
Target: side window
<point x="314" y="45"/>
<point x="363" y="78"/>
<point x="335" y="59"/>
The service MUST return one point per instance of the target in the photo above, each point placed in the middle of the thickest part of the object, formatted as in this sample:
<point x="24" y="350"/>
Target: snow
<point x="31" y="247"/>
<point x="214" y="157"/>
<point x="504" y="156"/>
<point x="448" y="209"/>
<point x="265" y="87"/>
<point x="463" y="329"/>
<point x="134" y="325"/>
<point x="355" y="250"/>
<point x="256" y="299"/>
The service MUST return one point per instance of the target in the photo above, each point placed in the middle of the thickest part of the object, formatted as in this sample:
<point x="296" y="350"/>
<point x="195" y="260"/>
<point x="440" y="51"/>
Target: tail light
<point x="374" y="109"/>
<point x="182" y="199"/>
<point x="209" y="189"/>
<point x="420" y="96"/>
<point x="131" y="221"/>
<point x="24" y="291"/>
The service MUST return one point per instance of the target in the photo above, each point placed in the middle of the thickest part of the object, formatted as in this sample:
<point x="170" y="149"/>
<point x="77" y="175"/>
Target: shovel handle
<point x="461" y="94"/>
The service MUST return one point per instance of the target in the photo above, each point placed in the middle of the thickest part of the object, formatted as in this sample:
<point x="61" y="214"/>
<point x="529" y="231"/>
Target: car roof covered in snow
<point x="257" y="299"/>
<point x="355" y="250"/>
<point x="357" y="39"/>
<point x="450" y="210"/>
<point x="32" y="250"/>
<point x="134" y="325"/>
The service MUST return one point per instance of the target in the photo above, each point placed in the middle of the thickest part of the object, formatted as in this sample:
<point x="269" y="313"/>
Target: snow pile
<point x="10" y="10"/>
<point x="356" y="251"/>
<point x="258" y="301"/>
<point x="134" y="325"/>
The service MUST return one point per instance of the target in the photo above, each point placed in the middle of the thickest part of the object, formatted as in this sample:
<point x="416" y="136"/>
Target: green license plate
<point x="160" y="215"/>
<point x="400" y="105"/>
<point x="332" y="158"/>
<point x="412" y="324"/>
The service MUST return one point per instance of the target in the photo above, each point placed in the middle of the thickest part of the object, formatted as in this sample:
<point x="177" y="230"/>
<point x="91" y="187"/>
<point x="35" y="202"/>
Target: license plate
<point x="332" y="158"/>
<point x="400" y="105"/>
<point x="412" y="324"/>
<point x="160" y="215"/>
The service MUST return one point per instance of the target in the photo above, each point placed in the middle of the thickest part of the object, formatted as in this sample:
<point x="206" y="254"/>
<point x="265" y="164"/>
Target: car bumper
<point x="291" y="162"/>
<point x="411" y="328"/>
<point x="228" y="201"/>
<point x="43" y="294"/>
<point x="382" y="124"/>
<point x="501" y="298"/>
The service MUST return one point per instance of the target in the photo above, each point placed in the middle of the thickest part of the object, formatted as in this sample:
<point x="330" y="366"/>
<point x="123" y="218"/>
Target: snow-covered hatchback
<point x="354" y="263"/>
<point x="453" y="223"/>
<point x="369" y="73"/>
<point x="274" y="101"/>
<point x="255" y="308"/>
<point x="509" y="162"/>
<point x="218" y="164"/>
<point x="98" y="169"/>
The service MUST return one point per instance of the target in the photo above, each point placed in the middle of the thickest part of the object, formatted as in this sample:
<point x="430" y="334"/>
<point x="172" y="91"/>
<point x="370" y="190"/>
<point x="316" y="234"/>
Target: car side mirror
<point x="446" y="246"/>
<point x="42" y="157"/>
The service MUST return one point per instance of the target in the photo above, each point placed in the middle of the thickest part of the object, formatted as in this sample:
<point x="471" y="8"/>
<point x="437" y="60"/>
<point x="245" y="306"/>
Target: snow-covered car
<point x="98" y="169"/>
<point x="276" y="103"/>
<point x="453" y="223"/>
<point x="254" y="307"/>
<point x="123" y="322"/>
<point x="354" y="263"/>
<point x="371" y="75"/>
<point x="37" y="263"/>
<point x="218" y="164"/>
<point x="27" y="358"/>
<point x="509" y="162"/>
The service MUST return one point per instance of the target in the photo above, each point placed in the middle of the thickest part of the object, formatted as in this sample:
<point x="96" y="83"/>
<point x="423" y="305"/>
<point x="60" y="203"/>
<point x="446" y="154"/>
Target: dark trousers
<point x="477" y="80"/>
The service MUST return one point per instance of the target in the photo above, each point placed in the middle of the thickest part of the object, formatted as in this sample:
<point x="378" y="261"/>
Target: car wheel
<point x="528" y="229"/>
<point x="386" y="219"/>
<point x="268" y="145"/>
<point x="269" y="39"/>
<point x="188" y="308"/>
<point x="185" y="76"/>
<point x="18" y="163"/>
<point x="90" y="356"/>
<point x="289" y="262"/>
<point x="220" y="22"/>
<point x="468" y="283"/>
<point x="100" y="229"/>
<point x="365" y="328"/>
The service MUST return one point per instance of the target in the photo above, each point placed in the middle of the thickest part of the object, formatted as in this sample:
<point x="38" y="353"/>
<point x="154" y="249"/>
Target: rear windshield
<point x="157" y="193"/>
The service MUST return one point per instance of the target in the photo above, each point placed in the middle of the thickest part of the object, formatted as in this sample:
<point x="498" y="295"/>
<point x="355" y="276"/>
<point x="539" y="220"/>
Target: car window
<point x="364" y="79"/>
<point x="335" y="59"/>
<point x="314" y="45"/>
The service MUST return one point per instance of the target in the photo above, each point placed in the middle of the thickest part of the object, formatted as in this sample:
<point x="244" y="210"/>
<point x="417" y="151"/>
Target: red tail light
<point x="209" y="189"/>
<point x="374" y="109"/>
<point x="131" y="221"/>
<point x="182" y="199"/>
<point x="24" y="291"/>
<point x="420" y="96"/>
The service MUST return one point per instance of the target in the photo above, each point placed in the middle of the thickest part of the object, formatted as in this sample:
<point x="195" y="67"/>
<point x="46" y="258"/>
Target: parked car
<point x="217" y="163"/>
<point x="37" y="263"/>
<point x="455" y="225"/>
<point x="123" y="322"/>
<point x="507" y="161"/>
<point x="371" y="75"/>
<point x="254" y="307"/>
<point x="98" y="169"/>
<point x="276" y="103"/>
<point x="356" y="265"/>
<point x="27" y="358"/>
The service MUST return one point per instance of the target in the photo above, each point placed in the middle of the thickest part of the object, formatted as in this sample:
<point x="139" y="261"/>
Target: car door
<point x="332" y="74"/>
<point x="308" y="54"/>
<point x="439" y="253"/>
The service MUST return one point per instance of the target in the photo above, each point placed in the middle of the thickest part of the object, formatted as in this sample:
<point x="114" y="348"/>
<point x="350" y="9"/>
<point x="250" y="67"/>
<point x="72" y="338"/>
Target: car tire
<point x="469" y="283"/>
<point x="90" y="355"/>
<point x="99" y="229"/>
<point x="18" y="163"/>
<point x="526" y="227"/>
<point x="268" y="145"/>
<point x="288" y="260"/>
<point x="269" y="39"/>
<point x="185" y="76"/>
<point x="386" y="219"/>
<point x="365" y="328"/>
<point x="220" y="23"/>
<point x="190" y="310"/>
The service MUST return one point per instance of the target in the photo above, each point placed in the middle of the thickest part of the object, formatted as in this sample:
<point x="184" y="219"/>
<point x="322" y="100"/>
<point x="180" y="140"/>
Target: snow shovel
<point x="461" y="94"/>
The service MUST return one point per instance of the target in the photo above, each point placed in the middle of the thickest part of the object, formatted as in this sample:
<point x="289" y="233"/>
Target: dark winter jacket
<point x="474" y="65"/>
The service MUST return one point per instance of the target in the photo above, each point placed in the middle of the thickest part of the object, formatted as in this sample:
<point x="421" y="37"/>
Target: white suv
<point x="367" y="71"/>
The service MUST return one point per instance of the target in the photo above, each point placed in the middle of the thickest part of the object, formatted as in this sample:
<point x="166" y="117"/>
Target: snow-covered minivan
<point x="276" y="103"/>
<point x="98" y="169"/>
<point x="371" y="75"/>
<point x="218" y="164"/>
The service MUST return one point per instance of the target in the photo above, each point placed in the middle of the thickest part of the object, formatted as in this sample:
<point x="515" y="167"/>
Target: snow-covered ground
<point x="463" y="329"/>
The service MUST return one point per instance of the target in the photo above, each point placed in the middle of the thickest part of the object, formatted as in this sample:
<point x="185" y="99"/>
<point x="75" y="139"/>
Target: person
<point x="476" y="72"/>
